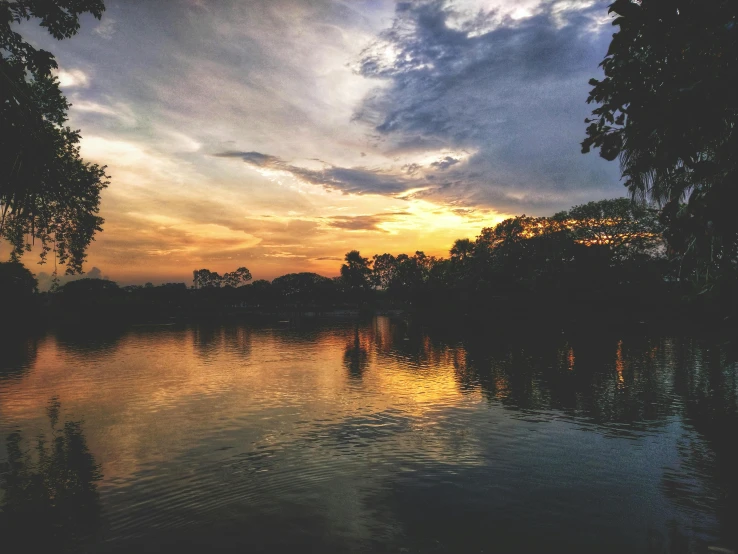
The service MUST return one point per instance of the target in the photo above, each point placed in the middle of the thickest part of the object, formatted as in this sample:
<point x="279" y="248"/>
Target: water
<point x="378" y="437"/>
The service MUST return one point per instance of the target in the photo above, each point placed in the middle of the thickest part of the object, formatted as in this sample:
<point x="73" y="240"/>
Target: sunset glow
<point x="279" y="136"/>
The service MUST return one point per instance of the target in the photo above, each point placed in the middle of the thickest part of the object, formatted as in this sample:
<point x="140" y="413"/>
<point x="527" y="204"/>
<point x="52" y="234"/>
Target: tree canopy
<point x="16" y="280"/>
<point x="304" y="288"/>
<point x="667" y="108"/>
<point x="204" y="278"/>
<point x="48" y="193"/>
<point x="356" y="271"/>
<point x="622" y="227"/>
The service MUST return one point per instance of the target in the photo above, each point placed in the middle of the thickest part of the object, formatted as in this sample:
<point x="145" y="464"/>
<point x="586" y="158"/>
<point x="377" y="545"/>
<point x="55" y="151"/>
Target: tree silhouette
<point x="622" y="227"/>
<point x="356" y="274"/>
<point x="304" y="288"/>
<point x="462" y="249"/>
<point x="668" y="110"/>
<point x="47" y="191"/>
<point x="204" y="279"/>
<point x="16" y="280"/>
<point x="384" y="269"/>
<point x="237" y="278"/>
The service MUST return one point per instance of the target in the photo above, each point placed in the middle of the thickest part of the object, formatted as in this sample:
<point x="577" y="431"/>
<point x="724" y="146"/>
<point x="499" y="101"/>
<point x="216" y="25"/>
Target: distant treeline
<point x="609" y="257"/>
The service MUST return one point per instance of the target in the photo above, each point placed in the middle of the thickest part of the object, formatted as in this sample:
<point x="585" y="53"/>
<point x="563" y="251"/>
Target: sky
<point x="279" y="135"/>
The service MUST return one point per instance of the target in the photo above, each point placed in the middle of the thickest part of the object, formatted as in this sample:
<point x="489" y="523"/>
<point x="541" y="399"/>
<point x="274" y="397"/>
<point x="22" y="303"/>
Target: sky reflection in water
<point x="379" y="436"/>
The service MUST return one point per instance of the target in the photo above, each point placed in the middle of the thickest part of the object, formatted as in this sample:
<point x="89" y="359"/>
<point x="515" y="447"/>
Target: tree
<point x="47" y="191"/>
<point x="87" y="289"/>
<point x="260" y="293"/>
<point x="237" y="278"/>
<point x="621" y="227"/>
<point x="304" y="288"/>
<point x="17" y="292"/>
<point x="668" y="110"/>
<point x="462" y="249"/>
<point x="205" y="279"/>
<point x="384" y="270"/>
<point x="356" y="271"/>
<point x="16" y="281"/>
<point x="410" y="274"/>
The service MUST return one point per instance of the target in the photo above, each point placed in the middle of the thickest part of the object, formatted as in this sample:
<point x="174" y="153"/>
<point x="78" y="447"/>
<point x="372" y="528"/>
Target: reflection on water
<point x="380" y="437"/>
<point x="49" y="493"/>
<point x="17" y="356"/>
<point x="355" y="356"/>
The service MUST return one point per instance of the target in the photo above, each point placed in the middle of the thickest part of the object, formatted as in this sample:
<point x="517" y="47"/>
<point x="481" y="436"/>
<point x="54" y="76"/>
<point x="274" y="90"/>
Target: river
<point x="378" y="436"/>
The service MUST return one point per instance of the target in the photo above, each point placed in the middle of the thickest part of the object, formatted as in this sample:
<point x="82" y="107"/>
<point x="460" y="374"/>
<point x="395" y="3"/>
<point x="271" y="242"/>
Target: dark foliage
<point x="667" y="108"/>
<point x="16" y="281"/>
<point x="49" y="491"/>
<point x="606" y="257"/>
<point x="47" y="191"/>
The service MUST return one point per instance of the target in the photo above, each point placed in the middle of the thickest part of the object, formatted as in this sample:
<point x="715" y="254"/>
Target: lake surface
<point x="378" y="436"/>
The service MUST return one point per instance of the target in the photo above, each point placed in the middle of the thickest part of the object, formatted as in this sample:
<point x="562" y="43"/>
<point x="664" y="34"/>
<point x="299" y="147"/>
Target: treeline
<point x="610" y="258"/>
<point x="606" y="257"/>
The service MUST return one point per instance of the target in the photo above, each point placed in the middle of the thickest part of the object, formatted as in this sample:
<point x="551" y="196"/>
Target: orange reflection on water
<point x="152" y="393"/>
<point x="620" y="364"/>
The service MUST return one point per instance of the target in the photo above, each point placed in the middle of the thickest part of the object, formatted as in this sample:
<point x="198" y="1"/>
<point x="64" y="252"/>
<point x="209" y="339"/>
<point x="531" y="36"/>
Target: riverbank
<point x="512" y="315"/>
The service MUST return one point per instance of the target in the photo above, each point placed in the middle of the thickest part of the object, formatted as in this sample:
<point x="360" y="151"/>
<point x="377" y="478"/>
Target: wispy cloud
<point x="355" y="180"/>
<point x="364" y="222"/>
<point x="106" y="28"/>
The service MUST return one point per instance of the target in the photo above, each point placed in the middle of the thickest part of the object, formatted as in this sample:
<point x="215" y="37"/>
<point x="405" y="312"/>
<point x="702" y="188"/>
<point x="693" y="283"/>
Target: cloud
<point x="445" y="163"/>
<point x="121" y="114"/>
<point x="106" y="28"/>
<point x="72" y="78"/>
<point x="363" y="222"/>
<point x="215" y="114"/>
<point x="285" y="255"/>
<point x="95" y="273"/>
<point x="513" y="89"/>
<point x="358" y="180"/>
<point x="46" y="279"/>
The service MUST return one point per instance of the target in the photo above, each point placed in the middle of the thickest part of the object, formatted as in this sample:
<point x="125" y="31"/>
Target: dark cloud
<point x="254" y="158"/>
<point x="514" y="95"/>
<point x="445" y="163"/>
<point x="359" y="180"/>
<point x="361" y="222"/>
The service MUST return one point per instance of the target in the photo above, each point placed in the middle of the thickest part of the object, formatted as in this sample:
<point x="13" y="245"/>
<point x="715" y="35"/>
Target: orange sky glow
<point x="281" y="135"/>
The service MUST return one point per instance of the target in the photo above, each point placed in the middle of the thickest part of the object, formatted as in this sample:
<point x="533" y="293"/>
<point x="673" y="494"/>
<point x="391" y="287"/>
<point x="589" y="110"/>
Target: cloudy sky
<point x="280" y="134"/>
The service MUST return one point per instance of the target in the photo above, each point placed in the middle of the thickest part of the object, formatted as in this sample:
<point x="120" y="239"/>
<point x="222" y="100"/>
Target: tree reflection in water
<point x="355" y="357"/>
<point x="49" y="491"/>
<point x="18" y="354"/>
<point x="580" y="441"/>
<point x="629" y="388"/>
